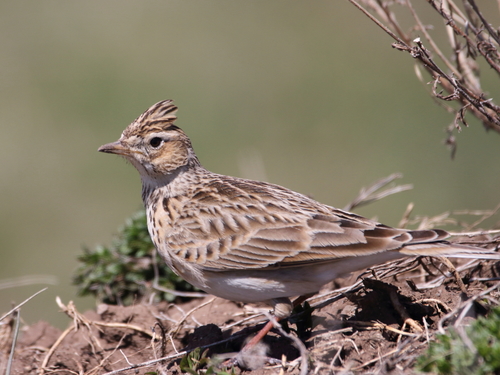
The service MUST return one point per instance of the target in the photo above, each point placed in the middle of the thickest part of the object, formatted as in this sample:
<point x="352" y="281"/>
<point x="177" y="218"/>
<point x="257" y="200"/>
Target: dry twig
<point x="373" y="192"/>
<point x="455" y="79"/>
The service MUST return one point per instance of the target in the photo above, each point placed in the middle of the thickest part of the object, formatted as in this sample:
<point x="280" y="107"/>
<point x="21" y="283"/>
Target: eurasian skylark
<point x="253" y="241"/>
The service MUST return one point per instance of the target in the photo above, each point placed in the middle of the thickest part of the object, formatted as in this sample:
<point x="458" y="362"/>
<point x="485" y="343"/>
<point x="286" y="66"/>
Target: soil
<point x="376" y="322"/>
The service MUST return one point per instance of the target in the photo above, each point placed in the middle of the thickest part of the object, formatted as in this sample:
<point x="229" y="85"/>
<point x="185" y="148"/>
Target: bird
<point x="253" y="241"/>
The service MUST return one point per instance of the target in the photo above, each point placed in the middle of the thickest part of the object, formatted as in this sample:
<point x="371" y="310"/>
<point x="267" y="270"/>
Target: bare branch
<point x="372" y="193"/>
<point x="470" y="36"/>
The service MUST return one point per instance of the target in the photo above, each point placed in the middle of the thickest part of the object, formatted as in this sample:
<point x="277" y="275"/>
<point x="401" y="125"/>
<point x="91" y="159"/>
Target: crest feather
<point x="160" y="116"/>
<point x="163" y="111"/>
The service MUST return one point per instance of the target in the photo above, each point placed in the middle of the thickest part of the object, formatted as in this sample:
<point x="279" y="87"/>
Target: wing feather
<point x="238" y="225"/>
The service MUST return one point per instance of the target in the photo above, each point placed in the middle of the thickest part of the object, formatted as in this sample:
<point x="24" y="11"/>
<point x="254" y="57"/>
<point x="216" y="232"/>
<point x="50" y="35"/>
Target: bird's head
<point x="153" y="144"/>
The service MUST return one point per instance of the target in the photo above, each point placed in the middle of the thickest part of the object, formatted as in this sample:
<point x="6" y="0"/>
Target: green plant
<point x="476" y="351"/>
<point x="124" y="272"/>
<point x="194" y="361"/>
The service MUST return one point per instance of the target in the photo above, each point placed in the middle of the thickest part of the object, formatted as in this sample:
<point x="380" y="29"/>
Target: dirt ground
<point x="376" y="322"/>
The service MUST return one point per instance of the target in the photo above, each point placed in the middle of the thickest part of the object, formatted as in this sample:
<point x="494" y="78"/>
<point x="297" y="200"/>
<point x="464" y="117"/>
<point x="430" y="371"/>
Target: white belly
<point x="262" y="285"/>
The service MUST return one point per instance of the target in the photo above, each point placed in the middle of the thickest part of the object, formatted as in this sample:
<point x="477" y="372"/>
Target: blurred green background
<point x="305" y="94"/>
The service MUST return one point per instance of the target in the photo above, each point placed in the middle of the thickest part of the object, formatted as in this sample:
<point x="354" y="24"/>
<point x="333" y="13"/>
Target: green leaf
<point x="449" y="354"/>
<point x="124" y="272"/>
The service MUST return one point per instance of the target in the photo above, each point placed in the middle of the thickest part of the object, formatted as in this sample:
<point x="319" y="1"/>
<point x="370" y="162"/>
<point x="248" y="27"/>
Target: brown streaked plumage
<point x="253" y="241"/>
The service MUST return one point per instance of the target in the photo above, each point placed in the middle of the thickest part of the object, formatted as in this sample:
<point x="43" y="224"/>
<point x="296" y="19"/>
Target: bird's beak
<point x="114" y="148"/>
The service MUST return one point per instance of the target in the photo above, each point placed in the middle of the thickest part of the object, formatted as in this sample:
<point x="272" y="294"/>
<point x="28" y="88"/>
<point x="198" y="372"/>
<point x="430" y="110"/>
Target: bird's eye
<point x="155" y="142"/>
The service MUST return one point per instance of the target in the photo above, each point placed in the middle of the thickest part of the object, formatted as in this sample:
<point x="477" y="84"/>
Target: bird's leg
<point x="282" y="310"/>
<point x="259" y="336"/>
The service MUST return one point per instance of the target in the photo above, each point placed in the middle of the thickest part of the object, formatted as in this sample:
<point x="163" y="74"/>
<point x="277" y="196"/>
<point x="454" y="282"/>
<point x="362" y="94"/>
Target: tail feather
<point x="449" y="250"/>
<point x="427" y="235"/>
